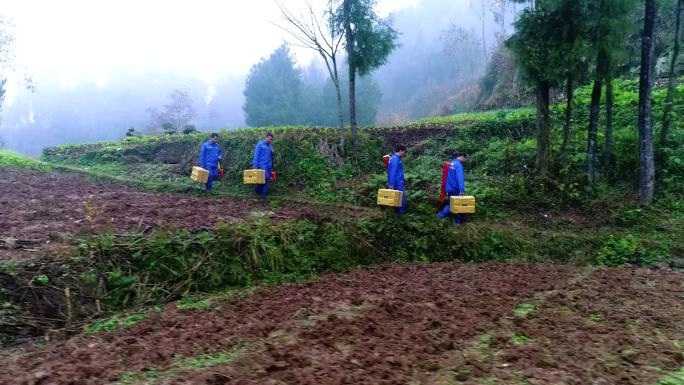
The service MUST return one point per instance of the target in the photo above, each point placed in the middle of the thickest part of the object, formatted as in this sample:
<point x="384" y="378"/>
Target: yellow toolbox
<point x="254" y="176"/>
<point x="390" y="198"/>
<point x="199" y="175"/>
<point x="464" y="204"/>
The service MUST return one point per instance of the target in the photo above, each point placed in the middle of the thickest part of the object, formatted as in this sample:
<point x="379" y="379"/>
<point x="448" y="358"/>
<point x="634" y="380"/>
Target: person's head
<point x="214" y="137"/>
<point x="455" y="154"/>
<point x="461" y="156"/>
<point x="268" y="138"/>
<point x="400" y="149"/>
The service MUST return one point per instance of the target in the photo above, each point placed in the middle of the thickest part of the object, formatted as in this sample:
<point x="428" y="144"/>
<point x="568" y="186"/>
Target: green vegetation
<point x="523" y="309"/>
<point x="42" y="279"/>
<point x="191" y="303"/>
<point x="209" y="359"/>
<point x="674" y="378"/>
<point x="142" y="269"/>
<point x="115" y="322"/>
<point x="181" y="364"/>
<point x="520" y="216"/>
<point x="521" y="340"/>
<point x="12" y="159"/>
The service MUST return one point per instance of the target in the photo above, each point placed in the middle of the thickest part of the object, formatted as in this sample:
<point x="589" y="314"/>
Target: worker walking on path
<point x="455" y="184"/>
<point x="263" y="160"/>
<point x="395" y="175"/>
<point x="210" y="155"/>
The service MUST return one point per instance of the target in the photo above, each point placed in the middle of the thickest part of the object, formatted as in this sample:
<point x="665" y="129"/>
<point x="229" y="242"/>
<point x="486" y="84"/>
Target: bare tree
<point x="176" y="115"/>
<point x="6" y="62"/>
<point x="463" y="47"/>
<point x="315" y="33"/>
<point x="480" y="9"/>
<point x="499" y="9"/>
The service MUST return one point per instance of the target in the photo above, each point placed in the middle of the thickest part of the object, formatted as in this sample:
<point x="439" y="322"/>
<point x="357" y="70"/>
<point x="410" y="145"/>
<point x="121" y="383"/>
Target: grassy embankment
<point x="520" y="217"/>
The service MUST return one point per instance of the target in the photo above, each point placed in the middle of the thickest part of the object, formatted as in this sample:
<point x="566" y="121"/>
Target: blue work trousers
<point x="458" y="218"/>
<point x="213" y="174"/>
<point x="262" y="189"/>
<point x="402" y="209"/>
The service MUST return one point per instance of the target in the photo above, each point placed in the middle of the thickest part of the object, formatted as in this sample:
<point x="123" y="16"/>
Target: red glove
<point x="221" y="172"/>
<point x="442" y="190"/>
<point x="274" y="177"/>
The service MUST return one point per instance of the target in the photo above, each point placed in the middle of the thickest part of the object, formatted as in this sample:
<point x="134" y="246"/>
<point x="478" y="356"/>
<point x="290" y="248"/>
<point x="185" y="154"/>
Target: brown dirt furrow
<point x="37" y="207"/>
<point x="445" y="323"/>
<point x="382" y="325"/>
<point x="620" y="326"/>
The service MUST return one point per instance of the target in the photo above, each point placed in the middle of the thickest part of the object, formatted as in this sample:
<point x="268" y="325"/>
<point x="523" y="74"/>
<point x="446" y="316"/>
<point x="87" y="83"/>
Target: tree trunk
<point x="349" y="37"/>
<point x="608" y="147"/>
<point x="543" y="128"/>
<point x="340" y="115"/>
<point x="671" y="83"/>
<point x="594" y="111"/>
<point x="646" y="160"/>
<point x="568" y="115"/>
<point x="352" y="108"/>
<point x="484" y="41"/>
<point x="2" y="98"/>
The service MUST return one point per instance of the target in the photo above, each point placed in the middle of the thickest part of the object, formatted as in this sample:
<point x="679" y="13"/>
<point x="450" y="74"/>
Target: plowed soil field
<point x="446" y="323"/>
<point x="40" y="208"/>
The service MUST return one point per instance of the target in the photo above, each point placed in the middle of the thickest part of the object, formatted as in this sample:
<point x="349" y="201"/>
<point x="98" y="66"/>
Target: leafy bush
<point x="617" y="252"/>
<point x="12" y="159"/>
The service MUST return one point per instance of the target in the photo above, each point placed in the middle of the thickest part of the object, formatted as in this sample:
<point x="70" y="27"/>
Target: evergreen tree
<point x="273" y="91"/>
<point x="671" y="76"/>
<point x="610" y="22"/>
<point x="535" y="46"/>
<point x="573" y="42"/>
<point x="368" y="41"/>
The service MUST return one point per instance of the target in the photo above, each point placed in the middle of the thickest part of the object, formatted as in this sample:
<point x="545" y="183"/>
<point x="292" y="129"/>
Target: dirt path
<point x="39" y="207"/>
<point x="443" y="323"/>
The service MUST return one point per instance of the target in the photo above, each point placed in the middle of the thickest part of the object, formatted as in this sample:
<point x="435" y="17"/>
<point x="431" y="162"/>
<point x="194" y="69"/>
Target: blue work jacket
<point x="455" y="182"/>
<point x="395" y="173"/>
<point x="263" y="156"/>
<point x="210" y="153"/>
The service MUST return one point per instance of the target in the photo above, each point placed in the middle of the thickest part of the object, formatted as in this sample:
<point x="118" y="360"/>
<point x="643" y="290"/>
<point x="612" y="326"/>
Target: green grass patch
<point x="484" y="341"/>
<point x="481" y="116"/>
<point x="12" y="159"/>
<point x="674" y="378"/>
<point x="115" y="322"/>
<point x="147" y="377"/>
<point x="523" y="309"/>
<point x="521" y="340"/>
<point x="209" y="359"/>
<point x="180" y="364"/>
<point x="196" y="304"/>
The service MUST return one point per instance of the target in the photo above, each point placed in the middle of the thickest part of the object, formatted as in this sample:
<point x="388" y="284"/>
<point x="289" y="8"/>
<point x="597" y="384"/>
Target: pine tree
<point x="368" y="41"/>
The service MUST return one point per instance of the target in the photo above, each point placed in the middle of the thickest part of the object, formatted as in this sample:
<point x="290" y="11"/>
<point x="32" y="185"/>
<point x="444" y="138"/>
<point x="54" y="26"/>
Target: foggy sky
<point x="87" y="40"/>
<point x="136" y="52"/>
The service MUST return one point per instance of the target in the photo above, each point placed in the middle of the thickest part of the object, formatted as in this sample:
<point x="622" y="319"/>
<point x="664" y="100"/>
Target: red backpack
<point x="442" y="190"/>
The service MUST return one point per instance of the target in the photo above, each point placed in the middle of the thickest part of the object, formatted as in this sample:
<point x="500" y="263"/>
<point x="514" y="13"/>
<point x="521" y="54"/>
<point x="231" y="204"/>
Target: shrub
<point x="617" y="252"/>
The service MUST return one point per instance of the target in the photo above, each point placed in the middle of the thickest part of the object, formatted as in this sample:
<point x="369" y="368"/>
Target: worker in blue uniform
<point x="263" y="160"/>
<point x="455" y="184"/>
<point x="395" y="175"/>
<point x="210" y="155"/>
